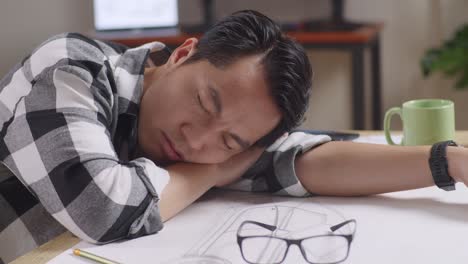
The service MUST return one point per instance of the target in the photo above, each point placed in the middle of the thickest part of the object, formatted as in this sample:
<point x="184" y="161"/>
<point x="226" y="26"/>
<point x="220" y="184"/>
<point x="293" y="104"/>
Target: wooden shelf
<point x="362" y="35"/>
<point x="174" y="37"/>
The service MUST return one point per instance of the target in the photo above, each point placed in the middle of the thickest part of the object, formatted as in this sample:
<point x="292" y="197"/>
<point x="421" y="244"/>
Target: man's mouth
<point x="170" y="150"/>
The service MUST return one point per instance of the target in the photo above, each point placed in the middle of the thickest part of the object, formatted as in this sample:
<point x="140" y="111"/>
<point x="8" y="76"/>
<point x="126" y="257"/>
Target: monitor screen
<point x="135" y="14"/>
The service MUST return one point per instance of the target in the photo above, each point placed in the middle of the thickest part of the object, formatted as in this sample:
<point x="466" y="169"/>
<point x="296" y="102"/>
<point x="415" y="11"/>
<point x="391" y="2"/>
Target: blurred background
<point x="409" y="29"/>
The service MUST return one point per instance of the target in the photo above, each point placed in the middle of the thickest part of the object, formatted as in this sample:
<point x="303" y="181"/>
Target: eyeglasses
<point x="271" y="249"/>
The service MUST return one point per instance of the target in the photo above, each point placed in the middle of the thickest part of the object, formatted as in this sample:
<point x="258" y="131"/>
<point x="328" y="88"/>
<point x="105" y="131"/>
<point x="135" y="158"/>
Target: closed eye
<point x="226" y="144"/>
<point x="201" y="104"/>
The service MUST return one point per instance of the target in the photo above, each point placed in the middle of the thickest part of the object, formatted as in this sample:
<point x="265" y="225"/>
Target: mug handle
<point x="387" y="119"/>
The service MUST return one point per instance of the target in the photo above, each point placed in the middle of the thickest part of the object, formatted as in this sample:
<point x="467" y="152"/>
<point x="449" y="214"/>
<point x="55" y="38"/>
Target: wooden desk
<point x="354" y="42"/>
<point x="63" y="242"/>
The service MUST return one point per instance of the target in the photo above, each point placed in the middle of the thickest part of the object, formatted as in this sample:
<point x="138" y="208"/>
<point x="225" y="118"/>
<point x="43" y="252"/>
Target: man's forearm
<point x="188" y="181"/>
<point x="349" y="169"/>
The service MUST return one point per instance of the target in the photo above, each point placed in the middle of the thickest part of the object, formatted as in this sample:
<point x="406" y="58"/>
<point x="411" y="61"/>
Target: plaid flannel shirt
<point x="68" y="115"/>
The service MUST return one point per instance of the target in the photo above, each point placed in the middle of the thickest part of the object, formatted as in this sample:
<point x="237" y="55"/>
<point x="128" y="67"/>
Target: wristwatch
<point x="439" y="165"/>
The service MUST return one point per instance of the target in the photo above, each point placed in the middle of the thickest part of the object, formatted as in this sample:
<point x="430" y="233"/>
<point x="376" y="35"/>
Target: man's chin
<point x="164" y="163"/>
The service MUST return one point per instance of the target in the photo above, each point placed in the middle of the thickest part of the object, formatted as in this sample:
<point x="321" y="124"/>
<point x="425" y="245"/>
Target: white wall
<point x="453" y="14"/>
<point x="24" y="24"/>
<point x="410" y="28"/>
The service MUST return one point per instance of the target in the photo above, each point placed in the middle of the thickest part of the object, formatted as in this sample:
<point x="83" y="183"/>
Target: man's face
<point x="203" y="114"/>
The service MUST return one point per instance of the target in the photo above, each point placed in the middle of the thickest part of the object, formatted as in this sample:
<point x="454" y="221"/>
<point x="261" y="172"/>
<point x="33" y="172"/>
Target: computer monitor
<point x="136" y="14"/>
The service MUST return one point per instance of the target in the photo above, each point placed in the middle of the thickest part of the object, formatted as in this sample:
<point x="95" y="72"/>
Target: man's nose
<point x="197" y="136"/>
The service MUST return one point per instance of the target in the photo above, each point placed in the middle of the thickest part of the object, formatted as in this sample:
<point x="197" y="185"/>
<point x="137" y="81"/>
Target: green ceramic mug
<point x="425" y="122"/>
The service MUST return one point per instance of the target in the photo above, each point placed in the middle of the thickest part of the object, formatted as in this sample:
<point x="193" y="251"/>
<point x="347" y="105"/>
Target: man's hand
<point x="457" y="159"/>
<point x="240" y="163"/>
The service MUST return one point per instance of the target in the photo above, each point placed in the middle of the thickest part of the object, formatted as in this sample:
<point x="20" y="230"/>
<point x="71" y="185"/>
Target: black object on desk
<point x="335" y="135"/>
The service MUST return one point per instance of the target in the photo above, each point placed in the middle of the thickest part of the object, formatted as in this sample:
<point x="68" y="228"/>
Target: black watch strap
<point x="439" y="165"/>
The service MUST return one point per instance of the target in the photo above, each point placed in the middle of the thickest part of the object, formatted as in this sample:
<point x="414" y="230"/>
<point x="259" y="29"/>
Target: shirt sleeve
<point x="59" y="145"/>
<point x="274" y="171"/>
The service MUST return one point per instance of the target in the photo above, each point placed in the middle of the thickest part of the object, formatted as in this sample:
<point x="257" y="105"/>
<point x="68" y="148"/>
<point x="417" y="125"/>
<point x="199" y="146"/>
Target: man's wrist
<point x="204" y="174"/>
<point x="232" y="169"/>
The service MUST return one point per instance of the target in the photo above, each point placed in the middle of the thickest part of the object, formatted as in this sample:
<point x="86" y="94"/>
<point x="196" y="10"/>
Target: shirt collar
<point x="129" y="73"/>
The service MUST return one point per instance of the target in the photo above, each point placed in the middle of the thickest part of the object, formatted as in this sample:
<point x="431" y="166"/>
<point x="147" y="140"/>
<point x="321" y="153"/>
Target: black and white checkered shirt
<point x="68" y="115"/>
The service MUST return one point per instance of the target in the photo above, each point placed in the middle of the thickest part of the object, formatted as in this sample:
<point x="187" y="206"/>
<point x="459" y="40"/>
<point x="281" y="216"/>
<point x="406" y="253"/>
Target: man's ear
<point x="183" y="52"/>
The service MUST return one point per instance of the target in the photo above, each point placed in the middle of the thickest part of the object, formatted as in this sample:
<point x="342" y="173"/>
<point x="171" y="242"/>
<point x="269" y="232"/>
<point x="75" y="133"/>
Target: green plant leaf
<point x="462" y="82"/>
<point x="451" y="58"/>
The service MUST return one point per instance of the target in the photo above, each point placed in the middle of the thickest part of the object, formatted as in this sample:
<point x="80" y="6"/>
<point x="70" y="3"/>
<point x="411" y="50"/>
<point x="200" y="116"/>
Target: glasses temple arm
<point x="266" y="226"/>
<point x="338" y="226"/>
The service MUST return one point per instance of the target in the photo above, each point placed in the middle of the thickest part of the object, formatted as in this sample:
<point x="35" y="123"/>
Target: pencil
<point x="97" y="259"/>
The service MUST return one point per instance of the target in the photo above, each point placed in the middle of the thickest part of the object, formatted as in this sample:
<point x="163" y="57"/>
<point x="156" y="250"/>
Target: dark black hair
<point x="287" y="68"/>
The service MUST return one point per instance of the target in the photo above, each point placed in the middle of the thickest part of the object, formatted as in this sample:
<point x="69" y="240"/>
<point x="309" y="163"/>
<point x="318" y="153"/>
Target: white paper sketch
<point x="400" y="227"/>
<point x="263" y="229"/>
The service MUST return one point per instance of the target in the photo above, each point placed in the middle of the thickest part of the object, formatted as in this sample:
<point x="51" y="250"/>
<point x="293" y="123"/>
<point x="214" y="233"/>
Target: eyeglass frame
<point x="349" y="238"/>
